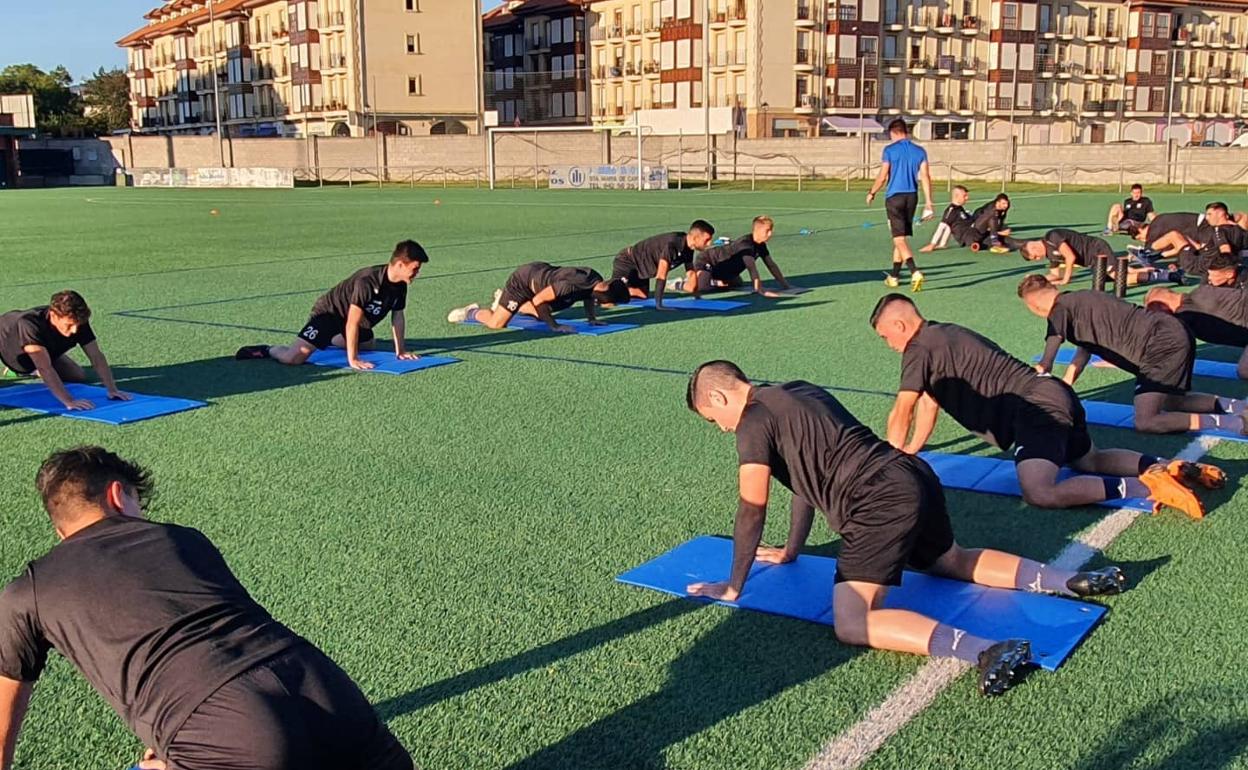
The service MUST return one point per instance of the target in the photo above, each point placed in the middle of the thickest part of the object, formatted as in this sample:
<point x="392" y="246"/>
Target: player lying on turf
<point x="1066" y="248"/>
<point x="1155" y="347"/>
<point x="888" y="507"/>
<point x="654" y="257"/>
<point x="1215" y="314"/>
<point x="345" y="316"/>
<point x="1008" y="404"/>
<point x="540" y="290"/>
<point x="989" y="223"/>
<point x="1127" y="217"/>
<point x="720" y="267"/>
<point x="38" y="341"/>
<point x="152" y="617"/>
<point x="1167" y="234"/>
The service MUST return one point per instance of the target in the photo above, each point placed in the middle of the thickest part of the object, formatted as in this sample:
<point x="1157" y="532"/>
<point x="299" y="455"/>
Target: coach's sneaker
<point x="891" y="281"/>
<point x="461" y="314"/>
<point x="916" y="280"/>
<point x="1001" y="664"/>
<point x="498" y="297"/>
<point x="1102" y="582"/>
<point x="251" y="352"/>
<point x="1165" y="490"/>
<point x="1193" y="474"/>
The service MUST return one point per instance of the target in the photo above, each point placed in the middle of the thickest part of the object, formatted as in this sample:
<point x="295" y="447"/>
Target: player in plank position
<point x="1216" y="234"/>
<point x="1066" y="248"/>
<point x="1127" y="217"/>
<point x="345" y="316"/>
<point x="1155" y="347"/>
<point x="540" y="290"/>
<point x="1008" y="404"/>
<point x="721" y="266"/>
<point x="1225" y="270"/>
<point x="904" y="169"/>
<point x="654" y="257"/>
<point x="888" y="507"/>
<point x="1215" y="314"/>
<point x="152" y="617"/>
<point x="38" y="341"/>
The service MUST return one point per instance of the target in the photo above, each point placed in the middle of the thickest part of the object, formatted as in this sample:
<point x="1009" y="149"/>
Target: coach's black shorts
<point x="897" y="519"/>
<point x="1051" y="425"/>
<point x="901" y="208"/>
<point x="1168" y="360"/>
<point x="298" y="710"/>
<point x="320" y="330"/>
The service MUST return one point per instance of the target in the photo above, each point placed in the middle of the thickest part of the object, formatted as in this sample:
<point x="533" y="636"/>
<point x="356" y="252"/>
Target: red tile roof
<point x="219" y="8"/>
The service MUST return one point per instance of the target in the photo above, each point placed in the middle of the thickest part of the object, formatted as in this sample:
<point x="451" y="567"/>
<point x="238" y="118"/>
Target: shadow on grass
<point x="1180" y="732"/>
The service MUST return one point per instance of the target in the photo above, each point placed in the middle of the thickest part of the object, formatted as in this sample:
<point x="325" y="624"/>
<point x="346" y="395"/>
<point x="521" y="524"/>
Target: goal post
<point x="568" y="155"/>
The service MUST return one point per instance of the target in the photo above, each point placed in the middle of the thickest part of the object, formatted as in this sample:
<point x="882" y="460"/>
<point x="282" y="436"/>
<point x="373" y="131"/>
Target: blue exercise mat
<point x="803" y="589"/>
<point x="530" y="324"/>
<point x="692" y="303"/>
<point x="37" y="398"/>
<point x="1123" y="416"/>
<point x="383" y="362"/>
<point x="994" y="476"/>
<point x="1222" y="370"/>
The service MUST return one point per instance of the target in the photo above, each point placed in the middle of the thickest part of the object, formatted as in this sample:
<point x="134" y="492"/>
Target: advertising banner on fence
<point x="607" y="177"/>
<point x="213" y="177"/>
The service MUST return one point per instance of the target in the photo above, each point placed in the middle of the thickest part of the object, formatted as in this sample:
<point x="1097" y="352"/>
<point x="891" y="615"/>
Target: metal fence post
<point x="799" y="177"/>
<point x="1061" y="172"/>
<point x="350" y="176"/>
<point x="754" y="178"/>
<point x="1121" y="171"/>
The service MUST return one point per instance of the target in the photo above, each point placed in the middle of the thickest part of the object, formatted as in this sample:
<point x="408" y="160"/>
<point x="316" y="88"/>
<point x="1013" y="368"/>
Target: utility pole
<point x="706" y="85"/>
<point x="216" y="85"/>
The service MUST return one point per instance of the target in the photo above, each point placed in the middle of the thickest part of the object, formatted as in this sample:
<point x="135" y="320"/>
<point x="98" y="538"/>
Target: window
<point x="412" y="5"/>
<point x="1163" y="25"/>
<point x="413" y="43"/>
<point x="1146" y="24"/>
<point x="1009" y="16"/>
<point x="414" y="85"/>
<point x="1158" y="63"/>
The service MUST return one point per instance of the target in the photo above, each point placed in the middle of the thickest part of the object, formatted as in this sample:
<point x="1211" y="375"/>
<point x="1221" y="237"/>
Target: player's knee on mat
<point x="1041" y="496"/>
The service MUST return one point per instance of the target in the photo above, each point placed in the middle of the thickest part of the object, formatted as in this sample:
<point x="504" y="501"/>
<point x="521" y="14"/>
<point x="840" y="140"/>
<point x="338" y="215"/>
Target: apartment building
<point x="298" y="67"/>
<point x="1042" y="70"/>
<point x="535" y="65"/>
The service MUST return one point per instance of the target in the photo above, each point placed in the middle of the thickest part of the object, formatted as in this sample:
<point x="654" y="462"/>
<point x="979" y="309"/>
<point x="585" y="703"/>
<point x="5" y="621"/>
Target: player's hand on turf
<point x="361" y="365"/>
<point x="150" y="762"/>
<point x="563" y="329"/>
<point x="407" y="356"/>
<point x="770" y="555"/>
<point x="720" y="591"/>
<point x="117" y="395"/>
<point x="597" y="322"/>
<point x="76" y="404"/>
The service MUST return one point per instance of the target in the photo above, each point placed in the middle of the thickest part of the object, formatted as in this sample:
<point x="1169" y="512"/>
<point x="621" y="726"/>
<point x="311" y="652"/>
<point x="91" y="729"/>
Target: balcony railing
<point x="335" y="19"/>
<point x="809" y="102"/>
<point x="945" y="62"/>
<point x="1000" y="103"/>
<point x="651" y="67"/>
<point x="728" y="58"/>
<point x="805" y="12"/>
<point x="894" y="63"/>
<point x="918" y="64"/>
<point x="805" y="56"/>
<point x="847" y="13"/>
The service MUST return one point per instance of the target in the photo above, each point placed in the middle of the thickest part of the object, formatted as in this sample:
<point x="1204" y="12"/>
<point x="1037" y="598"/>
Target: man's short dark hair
<point x="962" y="188"/>
<point x="701" y="226"/>
<point x="887" y="300"/>
<point x="409" y="251"/>
<point x="1225" y="209"/>
<point x="1137" y="186"/>
<point x="898" y="126"/>
<point x="617" y="292"/>
<point x="1001" y="197"/>
<point x="1223" y="261"/>
<point x="70" y="304"/>
<point x="84" y="473"/>
<point x="712" y="375"/>
<point x="1032" y="283"/>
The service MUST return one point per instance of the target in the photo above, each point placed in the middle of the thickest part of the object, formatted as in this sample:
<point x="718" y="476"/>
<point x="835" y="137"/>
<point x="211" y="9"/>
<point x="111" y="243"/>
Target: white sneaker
<point x="916" y="280"/>
<point x="461" y="314"/>
<point x="675" y="284"/>
<point x="498" y="295"/>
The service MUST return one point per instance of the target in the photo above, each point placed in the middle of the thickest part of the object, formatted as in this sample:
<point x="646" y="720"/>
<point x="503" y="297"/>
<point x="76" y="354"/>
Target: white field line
<point x="852" y="748"/>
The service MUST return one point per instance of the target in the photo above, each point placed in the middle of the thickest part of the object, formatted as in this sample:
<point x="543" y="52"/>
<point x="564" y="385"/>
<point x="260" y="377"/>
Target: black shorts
<point x="623" y="269"/>
<point x="1168" y="360"/>
<point x="728" y="271"/>
<point x="1193" y="262"/>
<point x="1129" y="226"/>
<point x="1052" y="425"/>
<point x="298" y="710"/>
<point x="1218" y="331"/>
<point x="898" y="519"/>
<point x="901" y="208"/>
<point x="320" y="330"/>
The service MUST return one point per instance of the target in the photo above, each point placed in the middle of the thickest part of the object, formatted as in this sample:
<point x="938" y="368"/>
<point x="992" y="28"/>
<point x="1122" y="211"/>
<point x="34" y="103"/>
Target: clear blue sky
<point x="77" y="33"/>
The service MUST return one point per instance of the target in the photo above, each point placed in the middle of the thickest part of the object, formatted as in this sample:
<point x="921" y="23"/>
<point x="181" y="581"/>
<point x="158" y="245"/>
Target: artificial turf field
<point x="451" y="536"/>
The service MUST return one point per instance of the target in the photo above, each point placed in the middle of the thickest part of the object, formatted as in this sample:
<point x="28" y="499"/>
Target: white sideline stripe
<point x="852" y="748"/>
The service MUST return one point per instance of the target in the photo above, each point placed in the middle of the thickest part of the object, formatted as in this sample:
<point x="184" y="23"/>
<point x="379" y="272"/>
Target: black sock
<point x="911" y="266"/>
<point x="896" y="270"/>
<point x="1146" y="462"/>
<point x="1114" y="489"/>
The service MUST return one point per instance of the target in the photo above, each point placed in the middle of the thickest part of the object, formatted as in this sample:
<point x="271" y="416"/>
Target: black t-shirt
<point x="1113" y="329"/>
<point x="368" y="289"/>
<point x="149" y="613"/>
<point x="645" y="256"/>
<point x="571" y="284"/>
<point x="977" y="383"/>
<point x="813" y="446"/>
<point x="957" y="219"/>
<point x="988" y="219"/>
<point x="1184" y="222"/>
<point x="1086" y="247"/>
<point x="732" y="255"/>
<point x="1138" y="210"/>
<point x="1217" y="314"/>
<point x="19" y="328"/>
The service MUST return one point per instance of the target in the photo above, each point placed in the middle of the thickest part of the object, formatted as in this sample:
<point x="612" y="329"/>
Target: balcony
<point x="970" y="67"/>
<point x="808" y="103"/>
<point x="894" y="66"/>
<point x="1069" y="69"/>
<point x="635" y="32"/>
<point x="946" y="24"/>
<point x="918" y="66"/>
<point x="651" y="68"/>
<point x="969" y="26"/>
<point x="1092" y="108"/>
<point x="893" y="18"/>
<point x="945" y="65"/>
<point x="633" y="70"/>
<point x="335" y="20"/>
<point x="1004" y="104"/>
<point x="1112" y="106"/>
<point x="653" y="29"/>
<point x="536" y="41"/>
<point x="728" y="59"/>
<point x="967" y="106"/>
<point x="331" y="63"/>
<point x="921" y="20"/>
<point x="805" y="15"/>
<point x="805" y="60"/>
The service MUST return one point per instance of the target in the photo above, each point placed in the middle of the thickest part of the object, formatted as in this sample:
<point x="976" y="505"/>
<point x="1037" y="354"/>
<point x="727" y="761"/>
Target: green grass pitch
<point x="451" y="536"/>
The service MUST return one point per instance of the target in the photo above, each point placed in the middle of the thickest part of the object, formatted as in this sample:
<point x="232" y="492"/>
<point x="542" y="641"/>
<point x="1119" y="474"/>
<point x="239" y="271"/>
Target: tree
<point x="107" y="99"/>
<point x="58" y="111"/>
